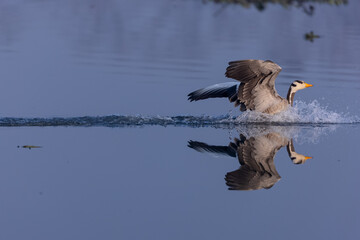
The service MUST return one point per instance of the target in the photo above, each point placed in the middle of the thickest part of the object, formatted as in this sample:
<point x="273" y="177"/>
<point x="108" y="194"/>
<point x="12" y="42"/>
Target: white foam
<point x="301" y="113"/>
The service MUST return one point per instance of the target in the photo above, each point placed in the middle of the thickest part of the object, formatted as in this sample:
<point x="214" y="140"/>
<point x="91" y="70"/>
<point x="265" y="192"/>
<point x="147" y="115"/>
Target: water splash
<point x="301" y="113"/>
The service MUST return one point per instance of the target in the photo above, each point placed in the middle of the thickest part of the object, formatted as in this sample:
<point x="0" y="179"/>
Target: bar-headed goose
<point x="256" y="92"/>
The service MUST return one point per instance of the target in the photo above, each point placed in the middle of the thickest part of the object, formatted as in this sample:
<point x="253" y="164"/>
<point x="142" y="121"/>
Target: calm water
<point x="101" y="86"/>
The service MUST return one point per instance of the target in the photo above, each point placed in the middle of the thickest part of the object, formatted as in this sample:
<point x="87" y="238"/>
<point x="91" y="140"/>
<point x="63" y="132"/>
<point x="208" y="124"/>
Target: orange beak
<point x="308" y="85"/>
<point x="306" y="158"/>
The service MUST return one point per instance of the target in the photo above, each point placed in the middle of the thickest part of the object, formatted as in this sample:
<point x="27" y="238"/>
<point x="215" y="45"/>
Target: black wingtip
<point x="191" y="97"/>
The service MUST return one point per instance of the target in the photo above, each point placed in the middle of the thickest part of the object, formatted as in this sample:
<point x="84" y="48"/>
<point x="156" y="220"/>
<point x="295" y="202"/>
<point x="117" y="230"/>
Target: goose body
<point x="256" y="90"/>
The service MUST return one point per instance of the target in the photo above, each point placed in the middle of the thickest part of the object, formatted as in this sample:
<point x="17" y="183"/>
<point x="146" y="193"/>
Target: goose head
<point x="294" y="87"/>
<point x="299" y="84"/>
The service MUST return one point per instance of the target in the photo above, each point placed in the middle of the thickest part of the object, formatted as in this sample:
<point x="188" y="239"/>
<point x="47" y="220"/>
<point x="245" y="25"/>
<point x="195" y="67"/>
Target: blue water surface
<point x="95" y="123"/>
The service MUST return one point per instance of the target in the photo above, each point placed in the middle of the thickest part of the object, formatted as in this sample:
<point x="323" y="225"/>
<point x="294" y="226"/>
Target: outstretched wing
<point x="257" y="89"/>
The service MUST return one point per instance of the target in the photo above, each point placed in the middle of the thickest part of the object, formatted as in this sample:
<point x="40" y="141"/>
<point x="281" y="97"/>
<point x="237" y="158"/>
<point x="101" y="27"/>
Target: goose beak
<point x="308" y="85"/>
<point x="306" y="158"/>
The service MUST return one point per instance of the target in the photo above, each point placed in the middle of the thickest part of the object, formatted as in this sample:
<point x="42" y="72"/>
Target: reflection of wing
<point x="256" y="156"/>
<point x="203" y="147"/>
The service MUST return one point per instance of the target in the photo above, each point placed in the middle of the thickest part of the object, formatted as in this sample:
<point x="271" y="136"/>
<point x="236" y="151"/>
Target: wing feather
<point x="257" y="89"/>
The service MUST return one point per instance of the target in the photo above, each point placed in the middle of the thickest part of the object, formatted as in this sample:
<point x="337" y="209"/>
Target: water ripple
<point x="309" y="114"/>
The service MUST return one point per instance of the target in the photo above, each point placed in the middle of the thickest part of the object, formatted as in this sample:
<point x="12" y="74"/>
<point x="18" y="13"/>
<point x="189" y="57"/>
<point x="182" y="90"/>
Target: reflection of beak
<point x="306" y="158"/>
<point x="308" y="85"/>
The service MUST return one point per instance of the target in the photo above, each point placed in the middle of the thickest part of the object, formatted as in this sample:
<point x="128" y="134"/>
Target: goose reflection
<point x="256" y="157"/>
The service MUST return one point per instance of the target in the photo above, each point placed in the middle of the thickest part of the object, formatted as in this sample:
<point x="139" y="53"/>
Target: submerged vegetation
<point x="29" y="146"/>
<point x="306" y="5"/>
<point x="281" y="2"/>
<point x="310" y="36"/>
